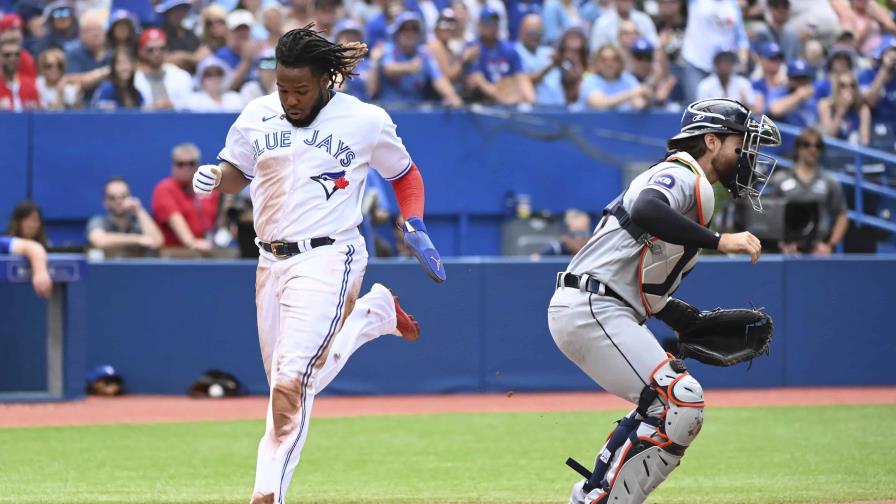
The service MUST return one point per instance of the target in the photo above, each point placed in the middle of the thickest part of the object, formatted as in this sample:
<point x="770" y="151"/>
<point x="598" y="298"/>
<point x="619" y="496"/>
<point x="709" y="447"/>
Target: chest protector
<point x="661" y="265"/>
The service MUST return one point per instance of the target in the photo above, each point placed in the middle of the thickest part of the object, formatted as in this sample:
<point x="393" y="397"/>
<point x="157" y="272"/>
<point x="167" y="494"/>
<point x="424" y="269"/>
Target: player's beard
<point x="323" y="98"/>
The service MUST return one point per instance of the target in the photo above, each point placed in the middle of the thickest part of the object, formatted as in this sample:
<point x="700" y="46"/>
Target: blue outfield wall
<point x="470" y="162"/>
<point x="163" y="323"/>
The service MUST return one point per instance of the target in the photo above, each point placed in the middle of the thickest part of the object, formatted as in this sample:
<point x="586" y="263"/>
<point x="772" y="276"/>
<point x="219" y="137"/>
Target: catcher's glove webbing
<point x="718" y="337"/>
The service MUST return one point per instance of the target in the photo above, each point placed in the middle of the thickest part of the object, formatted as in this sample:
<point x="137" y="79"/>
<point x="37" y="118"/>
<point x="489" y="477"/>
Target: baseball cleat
<point x="578" y="495"/>
<point x="407" y="325"/>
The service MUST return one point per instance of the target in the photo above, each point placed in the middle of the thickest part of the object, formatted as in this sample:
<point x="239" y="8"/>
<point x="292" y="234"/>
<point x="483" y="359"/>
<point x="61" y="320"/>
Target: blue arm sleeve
<point x="5" y="245"/>
<point x="652" y="212"/>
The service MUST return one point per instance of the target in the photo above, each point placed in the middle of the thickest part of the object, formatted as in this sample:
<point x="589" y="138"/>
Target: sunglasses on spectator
<point x="643" y="56"/>
<point x="154" y="49"/>
<point x="186" y="164"/>
<point x="817" y="145"/>
<point x="215" y="21"/>
<point x="851" y="84"/>
<point x="115" y="197"/>
<point x="212" y="73"/>
<point x="61" y="13"/>
<point x="267" y="64"/>
<point x="50" y="65"/>
<point x="10" y="55"/>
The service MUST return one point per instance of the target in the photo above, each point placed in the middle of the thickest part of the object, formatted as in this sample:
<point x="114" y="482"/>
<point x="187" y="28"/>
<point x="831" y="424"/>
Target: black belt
<point x="282" y="249"/>
<point x="592" y="285"/>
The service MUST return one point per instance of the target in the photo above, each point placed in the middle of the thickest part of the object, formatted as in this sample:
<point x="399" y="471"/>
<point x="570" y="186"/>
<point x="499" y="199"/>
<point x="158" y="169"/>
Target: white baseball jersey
<point x="646" y="274"/>
<point x="308" y="182"/>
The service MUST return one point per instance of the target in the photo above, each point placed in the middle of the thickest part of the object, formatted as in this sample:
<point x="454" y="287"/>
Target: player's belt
<point x="565" y="279"/>
<point x="282" y="249"/>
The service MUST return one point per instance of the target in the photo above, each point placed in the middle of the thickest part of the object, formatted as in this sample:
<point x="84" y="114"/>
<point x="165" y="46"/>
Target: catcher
<point x="647" y="241"/>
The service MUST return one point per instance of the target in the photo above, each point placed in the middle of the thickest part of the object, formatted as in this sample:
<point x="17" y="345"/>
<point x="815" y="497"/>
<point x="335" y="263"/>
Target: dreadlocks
<point x="305" y="47"/>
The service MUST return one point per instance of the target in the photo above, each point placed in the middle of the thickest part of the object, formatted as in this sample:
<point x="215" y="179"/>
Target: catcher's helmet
<point x="729" y="117"/>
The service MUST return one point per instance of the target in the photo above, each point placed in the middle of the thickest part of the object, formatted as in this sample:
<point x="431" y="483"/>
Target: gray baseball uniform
<point x="603" y="333"/>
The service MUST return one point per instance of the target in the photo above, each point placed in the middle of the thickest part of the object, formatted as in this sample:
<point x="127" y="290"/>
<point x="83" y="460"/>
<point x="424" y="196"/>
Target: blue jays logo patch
<point x="667" y="181"/>
<point x="331" y="182"/>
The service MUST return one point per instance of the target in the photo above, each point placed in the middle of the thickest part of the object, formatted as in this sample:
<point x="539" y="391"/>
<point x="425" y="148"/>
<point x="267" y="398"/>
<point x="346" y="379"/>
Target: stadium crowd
<point x="805" y="62"/>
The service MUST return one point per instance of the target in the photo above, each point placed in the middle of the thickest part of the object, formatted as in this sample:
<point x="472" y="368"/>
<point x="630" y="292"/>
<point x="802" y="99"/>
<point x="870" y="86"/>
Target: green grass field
<point x="756" y="455"/>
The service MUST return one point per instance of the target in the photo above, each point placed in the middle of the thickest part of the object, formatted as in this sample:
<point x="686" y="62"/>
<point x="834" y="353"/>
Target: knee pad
<point x="682" y="397"/>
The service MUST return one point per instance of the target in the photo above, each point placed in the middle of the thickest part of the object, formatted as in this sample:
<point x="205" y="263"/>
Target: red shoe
<point x="407" y="325"/>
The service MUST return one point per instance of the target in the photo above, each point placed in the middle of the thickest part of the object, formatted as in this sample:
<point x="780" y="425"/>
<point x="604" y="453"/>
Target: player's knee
<point x="286" y="398"/>
<point x="683" y="398"/>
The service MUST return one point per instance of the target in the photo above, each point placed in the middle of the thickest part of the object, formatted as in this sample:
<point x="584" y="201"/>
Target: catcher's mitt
<point x="718" y="337"/>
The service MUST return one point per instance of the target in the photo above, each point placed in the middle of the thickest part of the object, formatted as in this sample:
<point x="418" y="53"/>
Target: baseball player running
<point x="304" y="152"/>
<point x="647" y="240"/>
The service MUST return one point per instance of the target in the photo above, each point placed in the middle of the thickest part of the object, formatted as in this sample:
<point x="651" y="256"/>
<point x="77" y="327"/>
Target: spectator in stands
<point x="814" y="55"/>
<point x="841" y="59"/>
<point x="517" y="10"/>
<point x="62" y="30"/>
<point x="725" y="83"/>
<point x="184" y="218"/>
<point x="126" y="229"/>
<point x="37" y="258"/>
<point x="272" y="19"/>
<point x="27" y="222"/>
<point x="649" y="65"/>
<point x="18" y="91"/>
<point x="611" y="87"/>
<point x="212" y="75"/>
<point x="325" y="17"/>
<point x="180" y="41"/>
<point x="577" y="231"/>
<point x="536" y="59"/>
<point x="119" y="92"/>
<point x="814" y="19"/>
<point x="670" y="26"/>
<point x="265" y="83"/>
<point x="377" y="29"/>
<point x="214" y="29"/>
<point x="367" y="83"/>
<point x="799" y="105"/>
<point x="868" y="21"/>
<point x="122" y="31"/>
<point x="562" y="83"/>
<point x="88" y="60"/>
<point x="31" y="12"/>
<point x="808" y="182"/>
<point x="773" y="83"/>
<point x="775" y="29"/>
<point x="256" y="8"/>
<point x="845" y="114"/>
<point x="300" y="14"/>
<point x="409" y="73"/>
<point x="241" y="51"/>
<point x="606" y="28"/>
<point x="628" y="34"/>
<point x="496" y="73"/>
<point x="57" y="92"/>
<point x="712" y="25"/>
<point x="447" y="48"/>
<point x="163" y="85"/>
<point x="879" y="87"/>
<point x="11" y="26"/>
<point x="558" y="16"/>
<point x="495" y="8"/>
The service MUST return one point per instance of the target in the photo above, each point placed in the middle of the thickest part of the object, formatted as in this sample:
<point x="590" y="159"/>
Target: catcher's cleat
<point x="407" y="325"/>
<point x="579" y="496"/>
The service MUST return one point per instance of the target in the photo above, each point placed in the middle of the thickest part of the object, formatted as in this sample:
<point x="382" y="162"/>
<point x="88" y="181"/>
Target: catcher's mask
<point x="725" y="117"/>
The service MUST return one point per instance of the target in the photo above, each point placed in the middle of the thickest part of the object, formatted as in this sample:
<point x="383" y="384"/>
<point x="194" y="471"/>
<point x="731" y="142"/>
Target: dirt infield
<point x="152" y="409"/>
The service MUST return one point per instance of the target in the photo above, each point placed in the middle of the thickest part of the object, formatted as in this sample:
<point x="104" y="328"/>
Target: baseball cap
<point x="489" y="15"/>
<point x="770" y="50"/>
<point x="123" y="15"/>
<point x="402" y="19"/>
<point x="167" y="5"/>
<point x="348" y="25"/>
<point x="240" y="17"/>
<point x="11" y="21"/>
<point x="642" y="46"/>
<point x="59" y="9"/>
<point x="888" y="42"/>
<point x="799" y="68"/>
<point x="211" y="62"/>
<point x="151" y="35"/>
